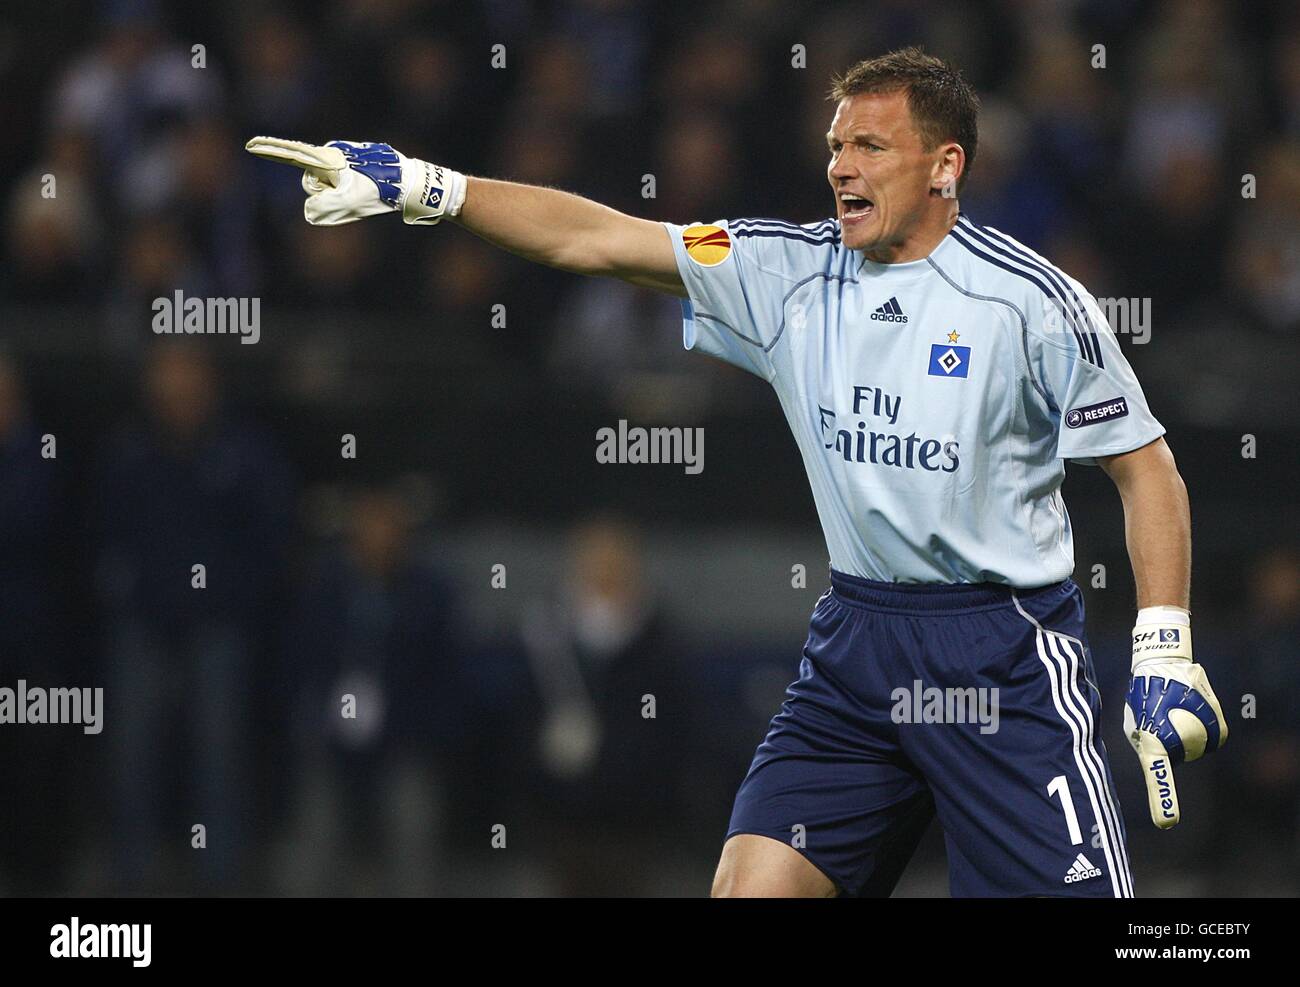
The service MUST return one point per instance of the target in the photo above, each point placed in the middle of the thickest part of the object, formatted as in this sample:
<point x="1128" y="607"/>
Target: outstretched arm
<point x="566" y="231"/>
<point x="346" y="181"/>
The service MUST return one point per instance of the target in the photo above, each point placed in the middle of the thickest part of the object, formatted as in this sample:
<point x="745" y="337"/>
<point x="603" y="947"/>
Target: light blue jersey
<point x="934" y="402"/>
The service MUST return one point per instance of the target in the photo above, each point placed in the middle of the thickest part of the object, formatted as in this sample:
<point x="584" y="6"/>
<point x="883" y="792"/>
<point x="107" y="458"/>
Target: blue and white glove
<point x="350" y="180"/>
<point x="1172" y="714"/>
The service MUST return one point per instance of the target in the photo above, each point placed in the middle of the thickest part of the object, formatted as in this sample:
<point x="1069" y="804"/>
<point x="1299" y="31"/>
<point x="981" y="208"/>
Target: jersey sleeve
<point x="1092" y="393"/>
<point x="738" y="279"/>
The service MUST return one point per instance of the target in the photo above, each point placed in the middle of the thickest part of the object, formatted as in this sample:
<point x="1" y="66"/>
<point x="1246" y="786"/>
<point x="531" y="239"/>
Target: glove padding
<point x="1171" y="715"/>
<point x="349" y="180"/>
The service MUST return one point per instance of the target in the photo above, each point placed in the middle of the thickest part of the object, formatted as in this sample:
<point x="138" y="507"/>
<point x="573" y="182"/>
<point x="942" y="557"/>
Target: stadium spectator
<point x="187" y="485"/>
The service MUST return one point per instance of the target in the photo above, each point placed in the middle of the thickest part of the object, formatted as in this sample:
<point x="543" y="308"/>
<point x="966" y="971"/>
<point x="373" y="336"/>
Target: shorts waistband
<point x="929" y="597"/>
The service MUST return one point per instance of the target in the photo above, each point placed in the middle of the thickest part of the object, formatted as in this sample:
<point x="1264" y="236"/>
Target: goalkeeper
<point x="936" y="375"/>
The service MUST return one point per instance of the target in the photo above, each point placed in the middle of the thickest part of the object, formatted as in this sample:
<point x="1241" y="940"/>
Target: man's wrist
<point x="1165" y="613"/>
<point x="1162" y="633"/>
<point x="433" y="192"/>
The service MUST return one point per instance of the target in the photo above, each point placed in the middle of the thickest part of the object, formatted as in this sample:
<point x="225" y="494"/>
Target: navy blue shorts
<point x="894" y="718"/>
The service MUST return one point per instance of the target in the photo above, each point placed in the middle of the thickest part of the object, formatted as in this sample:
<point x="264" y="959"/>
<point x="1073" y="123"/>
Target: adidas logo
<point x="1081" y="870"/>
<point x="891" y="311"/>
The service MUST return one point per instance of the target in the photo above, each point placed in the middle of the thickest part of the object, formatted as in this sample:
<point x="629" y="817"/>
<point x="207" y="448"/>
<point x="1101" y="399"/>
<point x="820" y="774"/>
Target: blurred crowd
<point x="603" y="734"/>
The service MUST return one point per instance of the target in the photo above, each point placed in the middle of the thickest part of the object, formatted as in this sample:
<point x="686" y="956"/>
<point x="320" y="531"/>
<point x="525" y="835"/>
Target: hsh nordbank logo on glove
<point x="1166" y="635"/>
<point x="179" y="315"/>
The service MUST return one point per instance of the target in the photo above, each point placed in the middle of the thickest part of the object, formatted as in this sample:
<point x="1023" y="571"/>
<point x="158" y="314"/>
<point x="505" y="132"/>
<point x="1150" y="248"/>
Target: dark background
<point x="521" y="706"/>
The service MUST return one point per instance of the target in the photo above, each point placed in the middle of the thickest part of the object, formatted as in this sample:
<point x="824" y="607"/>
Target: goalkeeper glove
<point x="1172" y="714"/>
<point x="350" y="180"/>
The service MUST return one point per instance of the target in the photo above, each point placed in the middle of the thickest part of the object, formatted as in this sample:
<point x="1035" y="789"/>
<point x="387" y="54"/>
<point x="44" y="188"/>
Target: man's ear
<point x="948" y="170"/>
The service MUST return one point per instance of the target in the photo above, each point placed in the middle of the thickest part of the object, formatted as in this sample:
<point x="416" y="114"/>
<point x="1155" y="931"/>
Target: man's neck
<point x="921" y="242"/>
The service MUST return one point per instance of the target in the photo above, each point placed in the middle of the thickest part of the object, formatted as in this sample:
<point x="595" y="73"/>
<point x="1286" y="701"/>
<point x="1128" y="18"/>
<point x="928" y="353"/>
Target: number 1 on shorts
<point x="1060" y="786"/>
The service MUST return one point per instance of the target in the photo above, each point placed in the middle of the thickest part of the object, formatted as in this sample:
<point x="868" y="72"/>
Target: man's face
<point x="878" y="156"/>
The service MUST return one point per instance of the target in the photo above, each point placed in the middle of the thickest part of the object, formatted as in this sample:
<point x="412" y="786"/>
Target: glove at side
<point x="1171" y="714"/>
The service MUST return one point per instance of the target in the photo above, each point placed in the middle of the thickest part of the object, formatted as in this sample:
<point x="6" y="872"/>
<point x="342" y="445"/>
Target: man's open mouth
<point x="855" y="206"/>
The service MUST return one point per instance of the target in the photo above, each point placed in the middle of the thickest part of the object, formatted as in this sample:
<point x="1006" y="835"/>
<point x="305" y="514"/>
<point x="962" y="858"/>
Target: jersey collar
<point x="911" y="270"/>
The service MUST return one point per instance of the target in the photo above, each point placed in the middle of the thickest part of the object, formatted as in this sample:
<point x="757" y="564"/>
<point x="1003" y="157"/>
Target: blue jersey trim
<point x="829" y="225"/>
<point x="1083" y="333"/>
<point x="1054" y="274"/>
<point x="825" y="232"/>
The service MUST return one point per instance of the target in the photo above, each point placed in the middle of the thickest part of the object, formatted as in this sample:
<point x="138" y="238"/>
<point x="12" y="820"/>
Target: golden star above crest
<point x="954" y="336"/>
